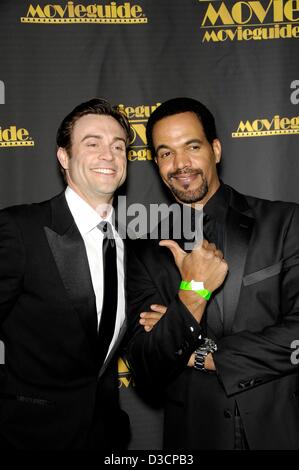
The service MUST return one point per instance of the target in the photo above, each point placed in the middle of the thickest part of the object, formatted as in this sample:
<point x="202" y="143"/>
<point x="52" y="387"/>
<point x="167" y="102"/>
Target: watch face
<point x="210" y="345"/>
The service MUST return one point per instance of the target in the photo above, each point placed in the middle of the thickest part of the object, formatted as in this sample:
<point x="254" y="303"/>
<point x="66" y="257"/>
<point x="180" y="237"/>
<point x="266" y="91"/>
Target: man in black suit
<point x="60" y="323"/>
<point x="221" y="354"/>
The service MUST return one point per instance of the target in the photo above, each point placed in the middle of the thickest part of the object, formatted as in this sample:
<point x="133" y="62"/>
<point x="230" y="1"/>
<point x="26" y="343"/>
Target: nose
<point x="106" y="152"/>
<point x="181" y="160"/>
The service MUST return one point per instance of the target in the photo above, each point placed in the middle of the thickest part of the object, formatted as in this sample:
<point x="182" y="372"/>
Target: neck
<point x="101" y="204"/>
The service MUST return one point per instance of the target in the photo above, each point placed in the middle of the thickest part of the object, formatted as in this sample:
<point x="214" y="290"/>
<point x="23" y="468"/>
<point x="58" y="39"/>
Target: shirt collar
<point x="86" y="218"/>
<point x="217" y="205"/>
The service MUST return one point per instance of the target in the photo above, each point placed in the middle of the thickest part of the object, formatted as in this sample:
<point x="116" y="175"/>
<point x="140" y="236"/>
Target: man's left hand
<point x="149" y="319"/>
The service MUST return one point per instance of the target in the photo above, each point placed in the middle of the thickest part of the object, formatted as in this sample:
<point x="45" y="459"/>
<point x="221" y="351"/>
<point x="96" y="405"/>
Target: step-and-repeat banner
<point x="238" y="57"/>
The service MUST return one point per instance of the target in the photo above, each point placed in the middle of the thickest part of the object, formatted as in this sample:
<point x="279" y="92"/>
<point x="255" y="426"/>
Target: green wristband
<point x="197" y="287"/>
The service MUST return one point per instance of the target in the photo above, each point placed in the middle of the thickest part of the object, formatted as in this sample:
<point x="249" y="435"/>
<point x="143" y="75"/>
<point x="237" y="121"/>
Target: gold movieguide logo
<point x="250" y="20"/>
<point x="14" y="137"/>
<point x="125" y="378"/>
<point x="72" y="12"/>
<point x="138" y="117"/>
<point x="266" y="127"/>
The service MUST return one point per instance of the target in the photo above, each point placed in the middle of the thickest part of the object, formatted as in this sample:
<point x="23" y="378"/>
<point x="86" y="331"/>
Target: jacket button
<point x="179" y="352"/>
<point x="227" y="414"/>
<point x="242" y="385"/>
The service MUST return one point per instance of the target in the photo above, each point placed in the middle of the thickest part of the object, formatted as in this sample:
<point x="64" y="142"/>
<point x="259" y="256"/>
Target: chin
<point x="189" y="197"/>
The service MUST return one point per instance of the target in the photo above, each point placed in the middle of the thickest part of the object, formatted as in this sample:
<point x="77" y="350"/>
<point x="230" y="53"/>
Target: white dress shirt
<point x="87" y="220"/>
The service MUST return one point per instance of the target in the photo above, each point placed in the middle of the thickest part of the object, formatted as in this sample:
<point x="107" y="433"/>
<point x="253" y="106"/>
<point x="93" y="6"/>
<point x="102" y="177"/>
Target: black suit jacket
<point x="254" y="318"/>
<point x="52" y="394"/>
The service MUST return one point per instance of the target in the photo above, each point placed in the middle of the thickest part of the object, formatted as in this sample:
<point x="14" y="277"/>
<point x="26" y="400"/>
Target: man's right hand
<point x="205" y="263"/>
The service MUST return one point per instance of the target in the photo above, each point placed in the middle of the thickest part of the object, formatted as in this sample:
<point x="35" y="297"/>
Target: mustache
<point x="185" y="171"/>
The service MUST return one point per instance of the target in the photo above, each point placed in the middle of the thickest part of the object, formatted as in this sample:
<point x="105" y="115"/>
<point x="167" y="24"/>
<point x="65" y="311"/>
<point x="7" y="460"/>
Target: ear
<point x="217" y="149"/>
<point x="63" y="158"/>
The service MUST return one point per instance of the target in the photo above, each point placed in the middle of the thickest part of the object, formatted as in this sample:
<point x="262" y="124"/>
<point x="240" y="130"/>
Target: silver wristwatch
<point x="208" y="346"/>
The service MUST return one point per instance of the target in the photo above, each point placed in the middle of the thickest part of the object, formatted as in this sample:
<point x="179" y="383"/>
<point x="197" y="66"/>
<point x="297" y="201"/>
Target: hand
<point x="149" y="319"/>
<point x="205" y="263"/>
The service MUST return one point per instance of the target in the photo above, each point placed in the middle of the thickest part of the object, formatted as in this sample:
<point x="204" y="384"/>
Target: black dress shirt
<point x="214" y="215"/>
<point x="215" y="211"/>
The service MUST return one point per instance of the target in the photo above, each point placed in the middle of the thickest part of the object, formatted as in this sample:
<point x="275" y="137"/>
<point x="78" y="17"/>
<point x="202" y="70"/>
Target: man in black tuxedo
<point x="60" y="320"/>
<point x="221" y="354"/>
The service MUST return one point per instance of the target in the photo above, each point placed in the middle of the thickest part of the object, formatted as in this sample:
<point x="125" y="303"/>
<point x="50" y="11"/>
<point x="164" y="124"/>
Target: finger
<point x="152" y="315"/>
<point x="219" y="254"/>
<point x="158" y="308"/>
<point x="149" y="322"/>
<point x="144" y="314"/>
<point x="145" y="322"/>
<point x="205" y="244"/>
<point x="175" y="249"/>
<point x="201" y="243"/>
<point x="211" y="247"/>
<point x="225" y="265"/>
<point x="148" y="325"/>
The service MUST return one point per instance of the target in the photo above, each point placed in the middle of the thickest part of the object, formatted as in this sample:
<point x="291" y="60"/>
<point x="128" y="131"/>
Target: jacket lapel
<point x="238" y="233"/>
<point x="70" y="256"/>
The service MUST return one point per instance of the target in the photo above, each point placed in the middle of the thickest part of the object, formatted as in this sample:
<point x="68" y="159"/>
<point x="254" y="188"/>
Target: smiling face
<point x="186" y="160"/>
<point x="97" y="163"/>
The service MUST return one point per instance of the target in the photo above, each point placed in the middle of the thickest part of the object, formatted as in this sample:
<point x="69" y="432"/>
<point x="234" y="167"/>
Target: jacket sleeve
<point x="12" y="261"/>
<point x="160" y="355"/>
<point x="247" y="359"/>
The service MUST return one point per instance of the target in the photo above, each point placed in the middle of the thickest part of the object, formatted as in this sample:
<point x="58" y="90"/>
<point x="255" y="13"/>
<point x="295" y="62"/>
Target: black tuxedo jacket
<point x="52" y="393"/>
<point x="254" y="318"/>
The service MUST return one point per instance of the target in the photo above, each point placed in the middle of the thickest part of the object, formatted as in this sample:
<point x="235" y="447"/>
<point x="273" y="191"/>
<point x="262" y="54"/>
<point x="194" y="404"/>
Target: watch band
<point x="196" y="286"/>
<point x="208" y="346"/>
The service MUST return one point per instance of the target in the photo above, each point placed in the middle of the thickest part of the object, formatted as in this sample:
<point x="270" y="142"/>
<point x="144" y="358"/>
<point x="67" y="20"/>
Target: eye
<point x="164" y="154"/>
<point x="92" y="144"/>
<point x="119" y="147"/>
<point x="194" y="147"/>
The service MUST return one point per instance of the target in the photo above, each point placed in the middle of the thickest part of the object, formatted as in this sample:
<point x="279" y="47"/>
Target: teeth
<point x="105" y="171"/>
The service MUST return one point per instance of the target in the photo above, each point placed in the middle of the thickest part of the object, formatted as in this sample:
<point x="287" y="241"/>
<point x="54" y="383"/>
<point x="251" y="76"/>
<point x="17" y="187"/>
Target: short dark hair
<point x="97" y="106"/>
<point x="177" y="106"/>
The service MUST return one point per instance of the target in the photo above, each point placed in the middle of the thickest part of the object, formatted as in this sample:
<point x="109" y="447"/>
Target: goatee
<point x="189" y="196"/>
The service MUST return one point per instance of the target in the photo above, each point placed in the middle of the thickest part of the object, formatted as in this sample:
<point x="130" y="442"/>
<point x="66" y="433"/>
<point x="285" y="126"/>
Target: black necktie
<point x="109" y="307"/>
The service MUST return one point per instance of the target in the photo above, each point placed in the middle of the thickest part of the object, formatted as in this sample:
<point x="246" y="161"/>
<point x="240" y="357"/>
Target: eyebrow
<point x="188" y="142"/>
<point x="193" y="141"/>
<point x="99" y="137"/>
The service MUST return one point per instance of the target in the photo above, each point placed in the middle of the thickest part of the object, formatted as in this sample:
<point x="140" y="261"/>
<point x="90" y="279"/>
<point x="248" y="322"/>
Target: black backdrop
<point x="238" y="57"/>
